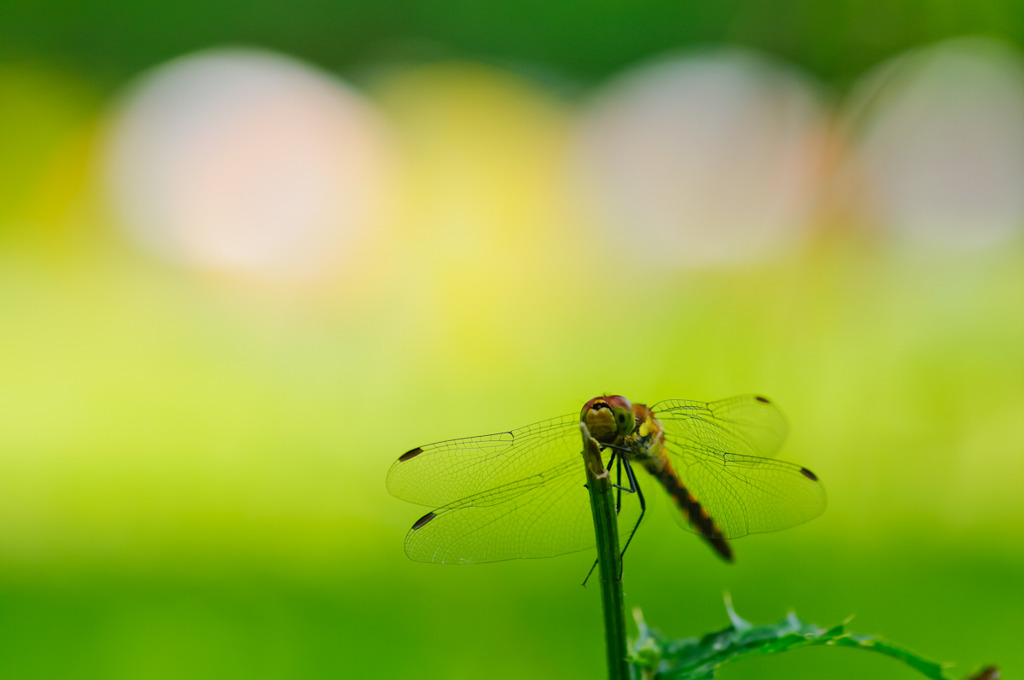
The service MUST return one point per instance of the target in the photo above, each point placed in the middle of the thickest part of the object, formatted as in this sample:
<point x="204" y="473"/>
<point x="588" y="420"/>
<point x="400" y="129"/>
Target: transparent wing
<point x="716" y="450"/>
<point x="442" y="473"/>
<point x="544" y="515"/>
<point x="748" y="424"/>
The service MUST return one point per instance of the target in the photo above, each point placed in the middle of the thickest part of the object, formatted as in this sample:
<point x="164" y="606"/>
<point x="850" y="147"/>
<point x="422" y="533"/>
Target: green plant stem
<point x="609" y="561"/>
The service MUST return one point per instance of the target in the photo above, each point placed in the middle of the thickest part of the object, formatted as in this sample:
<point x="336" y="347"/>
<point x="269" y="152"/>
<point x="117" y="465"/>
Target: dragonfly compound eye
<point x="608" y="418"/>
<point x="601" y="418"/>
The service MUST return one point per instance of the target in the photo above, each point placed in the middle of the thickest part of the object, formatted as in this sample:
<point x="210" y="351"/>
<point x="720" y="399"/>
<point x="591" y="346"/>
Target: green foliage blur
<point x="192" y="465"/>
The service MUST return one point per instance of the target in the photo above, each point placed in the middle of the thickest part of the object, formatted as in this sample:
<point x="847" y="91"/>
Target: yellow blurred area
<point x="144" y="406"/>
<point x="487" y="237"/>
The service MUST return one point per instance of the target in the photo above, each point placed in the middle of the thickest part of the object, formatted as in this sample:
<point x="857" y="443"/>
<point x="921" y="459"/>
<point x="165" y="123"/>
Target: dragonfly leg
<point x="617" y="459"/>
<point x="635" y="487"/>
<point x="618" y="483"/>
<point x="614" y="459"/>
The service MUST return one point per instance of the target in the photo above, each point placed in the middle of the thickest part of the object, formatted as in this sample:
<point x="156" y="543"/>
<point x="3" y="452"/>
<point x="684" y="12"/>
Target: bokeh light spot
<point x="705" y="160"/>
<point x="246" y="162"/>
<point x="942" y="143"/>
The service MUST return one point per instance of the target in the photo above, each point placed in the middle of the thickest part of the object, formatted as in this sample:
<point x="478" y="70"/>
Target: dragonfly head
<point x="608" y="418"/>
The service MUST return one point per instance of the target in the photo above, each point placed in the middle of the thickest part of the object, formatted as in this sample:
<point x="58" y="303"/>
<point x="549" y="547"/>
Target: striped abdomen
<point x="698" y="517"/>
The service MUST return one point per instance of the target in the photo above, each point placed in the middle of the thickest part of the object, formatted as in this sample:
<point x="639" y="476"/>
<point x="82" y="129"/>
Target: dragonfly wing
<point x="441" y="474"/>
<point x="542" y="515"/>
<point x="748" y="424"/>
<point x="745" y="494"/>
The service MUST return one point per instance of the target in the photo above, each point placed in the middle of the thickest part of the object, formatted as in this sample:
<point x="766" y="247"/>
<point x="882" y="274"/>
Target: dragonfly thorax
<point x="646" y="441"/>
<point x="609" y="419"/>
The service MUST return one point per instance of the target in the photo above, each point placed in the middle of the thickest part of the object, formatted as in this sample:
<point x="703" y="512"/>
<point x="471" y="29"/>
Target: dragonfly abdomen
<point x="695" y="513"/>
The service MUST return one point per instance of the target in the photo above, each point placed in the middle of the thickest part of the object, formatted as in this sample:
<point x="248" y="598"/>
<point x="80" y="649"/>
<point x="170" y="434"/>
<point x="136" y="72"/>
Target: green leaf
<point x="656" y="656"/>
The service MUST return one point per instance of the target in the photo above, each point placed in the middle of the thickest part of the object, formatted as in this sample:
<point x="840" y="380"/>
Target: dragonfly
<point x="521" y="493"/>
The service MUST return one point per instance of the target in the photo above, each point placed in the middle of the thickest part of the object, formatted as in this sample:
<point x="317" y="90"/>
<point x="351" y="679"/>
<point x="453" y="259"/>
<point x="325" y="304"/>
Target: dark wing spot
<point x="410" y="454"/>
<point x="423" y="520"/>
<point x="808" y="474"/>
<point x="763" y="400"/>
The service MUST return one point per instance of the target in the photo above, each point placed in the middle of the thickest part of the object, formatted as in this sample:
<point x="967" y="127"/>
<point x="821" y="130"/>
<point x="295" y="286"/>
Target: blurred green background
<point x="249" y="254"/>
